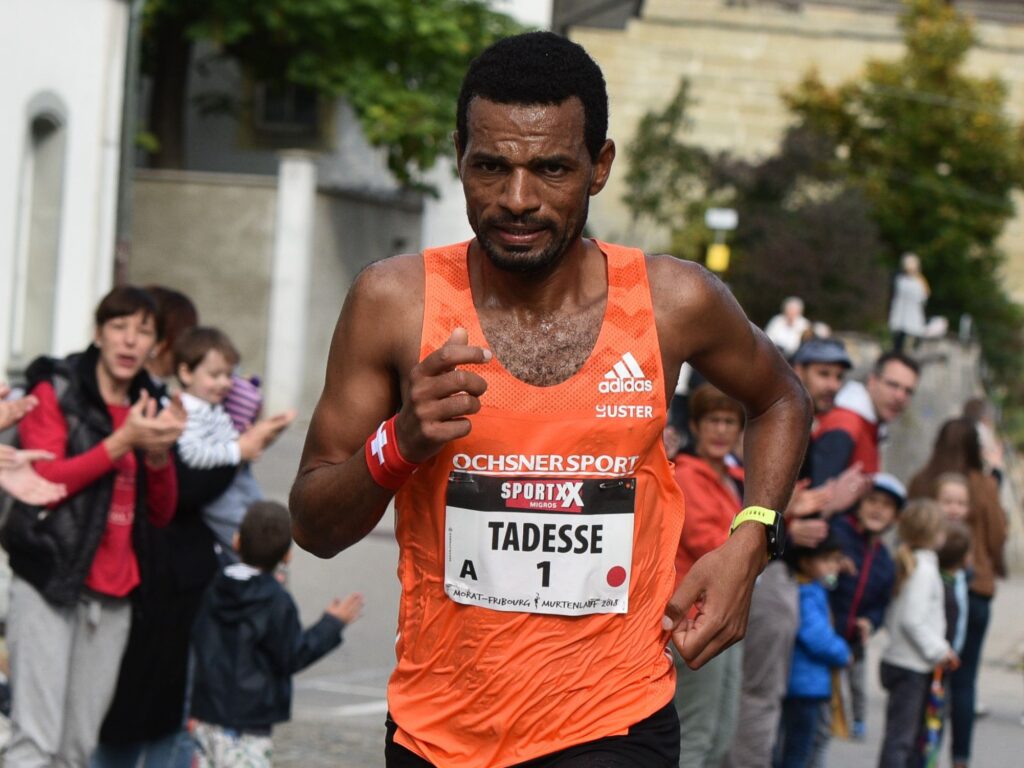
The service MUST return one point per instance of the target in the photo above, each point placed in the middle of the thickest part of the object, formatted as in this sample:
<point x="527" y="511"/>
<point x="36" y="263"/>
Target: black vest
<point x="53" y="549"/>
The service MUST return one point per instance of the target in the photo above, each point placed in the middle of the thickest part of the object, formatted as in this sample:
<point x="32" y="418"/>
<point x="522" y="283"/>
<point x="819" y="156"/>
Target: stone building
<point x="739" y="55"/>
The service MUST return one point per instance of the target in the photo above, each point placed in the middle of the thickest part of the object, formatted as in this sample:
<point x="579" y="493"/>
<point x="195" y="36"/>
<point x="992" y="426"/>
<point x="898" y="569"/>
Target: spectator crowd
<point x="865" y="553"/>
<point x="148" y="624"/>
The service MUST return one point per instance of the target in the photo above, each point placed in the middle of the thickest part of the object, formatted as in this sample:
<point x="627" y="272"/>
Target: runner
<point x="515" y="398"/>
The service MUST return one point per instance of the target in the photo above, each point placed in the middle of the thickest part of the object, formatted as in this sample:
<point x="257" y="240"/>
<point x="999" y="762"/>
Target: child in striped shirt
<point x="205" y="360"/>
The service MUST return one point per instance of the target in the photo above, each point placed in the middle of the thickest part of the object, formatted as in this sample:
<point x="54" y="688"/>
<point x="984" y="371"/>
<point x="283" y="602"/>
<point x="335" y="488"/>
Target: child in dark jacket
<point x="248" y="644"/>
<point x="861" y="598"/>
<point x="818" y="650"/>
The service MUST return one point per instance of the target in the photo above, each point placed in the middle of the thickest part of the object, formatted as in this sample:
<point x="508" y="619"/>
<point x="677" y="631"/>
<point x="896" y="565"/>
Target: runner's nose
<point x="519" y="195"/>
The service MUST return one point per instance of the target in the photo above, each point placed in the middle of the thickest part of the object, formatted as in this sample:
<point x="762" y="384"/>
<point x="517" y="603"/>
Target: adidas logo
<point x="625" y="376"/>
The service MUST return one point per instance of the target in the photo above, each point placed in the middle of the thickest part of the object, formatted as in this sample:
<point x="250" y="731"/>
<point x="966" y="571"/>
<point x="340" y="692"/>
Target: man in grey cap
<point x="821" y="365"/>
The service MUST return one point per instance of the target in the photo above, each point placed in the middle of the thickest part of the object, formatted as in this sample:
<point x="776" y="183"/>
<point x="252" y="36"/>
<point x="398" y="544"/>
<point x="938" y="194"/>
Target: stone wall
<point x="212" y="236"/>
<point x="739" y="58"/>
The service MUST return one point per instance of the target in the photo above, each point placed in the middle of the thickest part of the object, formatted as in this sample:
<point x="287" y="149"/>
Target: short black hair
<point x="265" y="535"/>
<point x="125" y="301"/>
<point x="827" y="546"/>
<point x="896" y="357"/>
<point x="537" y="68"/>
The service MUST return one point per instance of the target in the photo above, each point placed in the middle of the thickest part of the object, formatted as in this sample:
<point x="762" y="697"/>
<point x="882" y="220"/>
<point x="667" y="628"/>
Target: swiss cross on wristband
<point x="388" y="468"/>
<point x="377" y="443"/>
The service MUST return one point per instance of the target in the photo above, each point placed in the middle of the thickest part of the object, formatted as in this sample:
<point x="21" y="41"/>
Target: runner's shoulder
<point x="395" y="280"/>
<point x="680" y="286"/>
<point x="391" y="288"/>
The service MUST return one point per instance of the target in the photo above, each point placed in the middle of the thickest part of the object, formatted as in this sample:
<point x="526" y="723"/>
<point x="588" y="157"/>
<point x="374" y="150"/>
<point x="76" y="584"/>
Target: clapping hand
<point x="11" y="411"/>
<point x="18" y="479"/>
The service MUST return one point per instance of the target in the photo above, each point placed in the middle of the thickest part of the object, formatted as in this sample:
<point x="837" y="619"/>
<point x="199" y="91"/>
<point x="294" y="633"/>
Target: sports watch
<point x="771" y="520"/>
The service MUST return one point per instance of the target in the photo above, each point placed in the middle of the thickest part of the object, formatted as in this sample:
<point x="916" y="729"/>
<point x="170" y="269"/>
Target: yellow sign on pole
<point x="717" y="259"/>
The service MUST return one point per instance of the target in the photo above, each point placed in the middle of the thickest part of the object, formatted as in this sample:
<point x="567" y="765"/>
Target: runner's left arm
<point x="699" y="321"/>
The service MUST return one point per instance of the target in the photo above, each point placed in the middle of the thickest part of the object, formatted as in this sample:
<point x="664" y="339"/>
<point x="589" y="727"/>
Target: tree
<point x="804" y="231"/>
<point x="801" y="231"/>
<point x="399" y="63"/>
<point x="936" y="155"/>
<point x="665" y="175"/>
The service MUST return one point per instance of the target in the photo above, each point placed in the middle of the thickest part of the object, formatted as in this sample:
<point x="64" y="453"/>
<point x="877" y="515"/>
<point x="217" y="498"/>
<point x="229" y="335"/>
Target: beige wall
<point x="210" y="236"/>
<point x="351" y="232"/>
<point x="739" y="59"/>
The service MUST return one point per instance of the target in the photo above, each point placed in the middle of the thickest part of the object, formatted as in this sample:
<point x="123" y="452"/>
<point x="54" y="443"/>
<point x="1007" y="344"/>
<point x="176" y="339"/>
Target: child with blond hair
<point x="952" y="492"/>
<point x="916" y="622"/>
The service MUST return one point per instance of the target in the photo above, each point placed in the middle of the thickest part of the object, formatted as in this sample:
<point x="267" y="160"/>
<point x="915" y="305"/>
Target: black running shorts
<point x="651" y="743"/>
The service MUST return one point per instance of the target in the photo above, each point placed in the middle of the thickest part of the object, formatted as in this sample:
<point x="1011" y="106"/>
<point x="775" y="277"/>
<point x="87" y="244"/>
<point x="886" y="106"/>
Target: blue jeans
<point x="796" y="732"/>
<point x="963" y="683"/>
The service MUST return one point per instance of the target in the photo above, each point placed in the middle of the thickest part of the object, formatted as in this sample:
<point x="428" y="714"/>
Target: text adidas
<point x="625" y="385"/>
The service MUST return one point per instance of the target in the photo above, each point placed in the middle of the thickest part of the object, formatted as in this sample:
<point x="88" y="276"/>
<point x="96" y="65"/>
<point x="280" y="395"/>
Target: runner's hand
<point x="441" y="395"/>
<point x="719" y="587"/>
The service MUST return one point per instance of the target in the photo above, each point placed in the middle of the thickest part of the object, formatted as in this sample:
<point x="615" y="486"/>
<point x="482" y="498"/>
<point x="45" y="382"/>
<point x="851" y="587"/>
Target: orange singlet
<point x="537" y="553"/>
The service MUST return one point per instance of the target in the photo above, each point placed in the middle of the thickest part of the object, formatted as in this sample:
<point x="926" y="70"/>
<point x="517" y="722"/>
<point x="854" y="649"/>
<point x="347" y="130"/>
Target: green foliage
<point x="937" y="156"/>
<point x="666" y="175"/>
<point x="802" y="230"/>
<point x="399" y="63"/>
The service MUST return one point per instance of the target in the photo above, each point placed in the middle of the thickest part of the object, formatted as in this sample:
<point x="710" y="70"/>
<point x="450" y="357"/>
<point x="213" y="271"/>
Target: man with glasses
<point x="852" y="431"/>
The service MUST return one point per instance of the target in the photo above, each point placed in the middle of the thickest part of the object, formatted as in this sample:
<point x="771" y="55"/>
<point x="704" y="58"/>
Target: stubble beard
<point x="524" y="261"/>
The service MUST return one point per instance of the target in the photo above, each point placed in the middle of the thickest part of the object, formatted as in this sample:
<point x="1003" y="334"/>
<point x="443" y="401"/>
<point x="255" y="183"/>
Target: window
<point x="286" y="109"/>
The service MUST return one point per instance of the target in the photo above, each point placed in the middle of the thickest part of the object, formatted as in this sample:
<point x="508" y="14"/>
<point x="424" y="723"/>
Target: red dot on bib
<point x="616" y="576"/>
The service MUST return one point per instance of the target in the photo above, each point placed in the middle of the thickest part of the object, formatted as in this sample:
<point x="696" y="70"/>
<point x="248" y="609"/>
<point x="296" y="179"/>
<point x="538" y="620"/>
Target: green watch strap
<point x="761" y="515"/>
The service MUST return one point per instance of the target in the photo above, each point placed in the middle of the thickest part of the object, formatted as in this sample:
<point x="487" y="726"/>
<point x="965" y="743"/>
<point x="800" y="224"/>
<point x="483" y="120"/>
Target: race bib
<point x="539" y="545"/>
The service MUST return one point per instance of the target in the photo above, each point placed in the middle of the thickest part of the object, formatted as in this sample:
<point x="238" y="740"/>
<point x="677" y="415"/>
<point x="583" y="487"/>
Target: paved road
<point x="340" y="702"/>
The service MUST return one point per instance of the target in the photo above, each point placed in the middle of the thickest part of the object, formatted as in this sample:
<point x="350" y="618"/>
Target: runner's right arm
<point x="372" y="373"/>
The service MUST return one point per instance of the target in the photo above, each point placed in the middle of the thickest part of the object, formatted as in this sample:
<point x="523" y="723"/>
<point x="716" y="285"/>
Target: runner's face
<point x="528" y="178"/>
<point x="822" y="381"/>
<point x="125" y="343"/>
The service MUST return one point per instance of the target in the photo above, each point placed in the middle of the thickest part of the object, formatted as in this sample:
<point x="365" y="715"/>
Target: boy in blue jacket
<point x="248" y="643"/>
<point x="818" y="650"/>
<point x="861" y="598"/>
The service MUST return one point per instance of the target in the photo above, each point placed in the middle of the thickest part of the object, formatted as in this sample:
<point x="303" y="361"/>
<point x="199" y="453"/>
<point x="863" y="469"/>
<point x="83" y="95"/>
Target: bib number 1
<point x="539" y="545"/>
